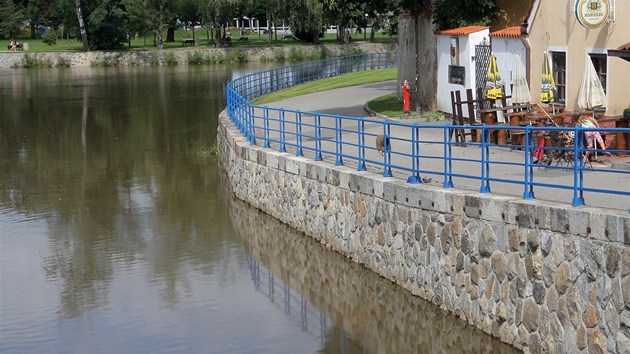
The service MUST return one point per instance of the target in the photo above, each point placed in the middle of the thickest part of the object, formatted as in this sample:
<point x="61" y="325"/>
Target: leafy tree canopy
<point x="459" y="13"/>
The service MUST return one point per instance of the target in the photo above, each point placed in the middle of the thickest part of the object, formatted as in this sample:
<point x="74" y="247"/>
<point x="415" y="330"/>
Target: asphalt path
<point x="351" y="102"/>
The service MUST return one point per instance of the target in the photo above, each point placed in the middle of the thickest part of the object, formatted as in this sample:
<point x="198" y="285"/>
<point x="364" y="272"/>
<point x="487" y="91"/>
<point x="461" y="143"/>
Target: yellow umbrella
<point x="494" y="88"/>
<point x="548" y="90"/>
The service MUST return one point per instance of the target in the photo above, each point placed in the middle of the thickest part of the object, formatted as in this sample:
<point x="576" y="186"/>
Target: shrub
<point x="29" y="61"/>
<point x="197" y="57"/>
<point x="155" y="61"/>
<point x="170" y="59"/>
<point x="63" y="62"/>
<point x="49" y="38"/>
<point x="296" y="54"/>
<point x="240" y="56"/>
<point x="279" y="55"/>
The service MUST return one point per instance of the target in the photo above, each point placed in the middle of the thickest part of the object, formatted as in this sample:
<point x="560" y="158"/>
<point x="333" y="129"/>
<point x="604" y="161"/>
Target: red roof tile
<point x="514" y="31"/>
<point x="462" y="31"/>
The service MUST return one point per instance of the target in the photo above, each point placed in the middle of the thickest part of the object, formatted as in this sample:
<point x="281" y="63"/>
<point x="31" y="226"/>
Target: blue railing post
<point x="448" y="156"/>
<point x="528" y="193"/>
<point x="298" y="134"/>
<point x="387" y="154"/>
<point x="318" y="137"/>
<point x="578" y="173"/>
<point x="252" y="124"/>
<point x="266" y="127"/>
<point x="485" y="157"/>
<point x="283" y="138"/>
<point x="338" y="141"/>
<point x="361" y="144"/>
<point x="415" y="155"/>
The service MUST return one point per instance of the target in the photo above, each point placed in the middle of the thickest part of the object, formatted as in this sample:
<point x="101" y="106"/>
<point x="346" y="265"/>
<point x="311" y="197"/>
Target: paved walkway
<point x="351" y="102"/>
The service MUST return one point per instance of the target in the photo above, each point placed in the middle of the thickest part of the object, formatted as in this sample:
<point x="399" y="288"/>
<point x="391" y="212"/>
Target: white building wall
<point x="505" y="50"/>
<point x="466" y="52"/>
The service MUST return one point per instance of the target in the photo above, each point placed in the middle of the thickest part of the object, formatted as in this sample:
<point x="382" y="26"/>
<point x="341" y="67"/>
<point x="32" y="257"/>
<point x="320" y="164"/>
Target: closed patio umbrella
<point x="520" y="88"/>
<point x="494" y="87"/>
<point x="591" y="93"/>
<point x="548" y="89"/>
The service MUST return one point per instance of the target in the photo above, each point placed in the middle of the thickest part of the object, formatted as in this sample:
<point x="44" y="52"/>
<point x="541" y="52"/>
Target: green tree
<point x="11" y="18"/>
<point x="108" y="25"/>
<point x="219" y="13"/>
<point x="345" y="14"/>
<point x="190" y="13"/>
<point x="82" y="28"/>
<point x="138" y="15"/>
<point x="160" y="13"/>
<point x="306" y="18"/>
<point x="459" y="13"/>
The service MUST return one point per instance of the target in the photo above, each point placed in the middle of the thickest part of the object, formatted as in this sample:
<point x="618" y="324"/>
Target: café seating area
<point x="474" y="112"/>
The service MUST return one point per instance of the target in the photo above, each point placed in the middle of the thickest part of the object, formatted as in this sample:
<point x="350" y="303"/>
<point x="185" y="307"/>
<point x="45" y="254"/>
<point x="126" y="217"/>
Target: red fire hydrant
<point x="405" y="89"/>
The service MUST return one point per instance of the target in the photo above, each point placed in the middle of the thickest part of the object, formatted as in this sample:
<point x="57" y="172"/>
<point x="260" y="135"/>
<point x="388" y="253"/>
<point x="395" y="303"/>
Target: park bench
<point x="189" y="41"/>
<point x="18" y="47"/>
<point x="243" y="39"/>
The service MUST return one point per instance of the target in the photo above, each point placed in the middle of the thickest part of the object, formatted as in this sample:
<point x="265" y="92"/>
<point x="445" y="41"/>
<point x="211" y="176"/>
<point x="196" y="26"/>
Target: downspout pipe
<point x="528" y="50"/>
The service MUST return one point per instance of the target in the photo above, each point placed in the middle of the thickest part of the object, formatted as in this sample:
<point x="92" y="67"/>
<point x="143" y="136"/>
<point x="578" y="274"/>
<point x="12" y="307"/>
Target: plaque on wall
<point x="456" y="74"/>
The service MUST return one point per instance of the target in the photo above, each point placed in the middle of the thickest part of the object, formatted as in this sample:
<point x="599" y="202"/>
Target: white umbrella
<point x="591" y="93"/>
<point x="520" y="88"/>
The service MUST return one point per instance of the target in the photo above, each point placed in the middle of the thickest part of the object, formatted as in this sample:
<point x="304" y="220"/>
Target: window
<point x="559" y="63"/>
<point x="601" y="68"/>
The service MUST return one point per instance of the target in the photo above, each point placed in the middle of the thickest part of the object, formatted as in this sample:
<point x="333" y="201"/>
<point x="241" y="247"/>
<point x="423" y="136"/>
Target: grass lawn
<point x="389" y="106"/>
<point x="346" y="80"/>
<point x="205" y="41"/>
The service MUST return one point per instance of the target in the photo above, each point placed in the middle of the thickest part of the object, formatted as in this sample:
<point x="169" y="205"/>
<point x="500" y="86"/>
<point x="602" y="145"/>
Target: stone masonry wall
<point x="542" y="277"/>
<point x="181" y="56"/>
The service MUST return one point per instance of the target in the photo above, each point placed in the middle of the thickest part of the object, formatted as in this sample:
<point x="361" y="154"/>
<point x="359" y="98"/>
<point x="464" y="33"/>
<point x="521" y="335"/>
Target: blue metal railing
<point x="416" y="149"/>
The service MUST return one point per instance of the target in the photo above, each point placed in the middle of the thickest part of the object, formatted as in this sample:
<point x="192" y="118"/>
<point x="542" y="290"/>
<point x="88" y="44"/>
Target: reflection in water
<point x="342" y="303"/>
<point x="116" y="234"/>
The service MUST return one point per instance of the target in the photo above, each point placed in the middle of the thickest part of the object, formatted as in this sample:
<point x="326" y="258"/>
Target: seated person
<point x="586" y="121"/>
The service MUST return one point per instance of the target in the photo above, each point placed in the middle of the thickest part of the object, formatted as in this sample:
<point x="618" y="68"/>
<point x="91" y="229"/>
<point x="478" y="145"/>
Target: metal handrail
<point x="417" y="149"/>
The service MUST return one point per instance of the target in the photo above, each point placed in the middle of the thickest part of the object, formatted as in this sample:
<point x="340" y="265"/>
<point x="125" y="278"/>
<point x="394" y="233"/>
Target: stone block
<point x="494" y="207"/>
<point x="271" y="159"/>
<point x="408" y="194"/>
<point x="597" y="227"/>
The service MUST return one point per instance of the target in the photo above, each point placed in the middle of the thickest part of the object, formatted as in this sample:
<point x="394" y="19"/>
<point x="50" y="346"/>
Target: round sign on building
<point x="592" y="13"/>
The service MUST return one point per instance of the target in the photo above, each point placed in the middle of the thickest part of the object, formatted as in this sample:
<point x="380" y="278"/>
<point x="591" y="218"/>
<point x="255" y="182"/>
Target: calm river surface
<point x="117" y="234"/>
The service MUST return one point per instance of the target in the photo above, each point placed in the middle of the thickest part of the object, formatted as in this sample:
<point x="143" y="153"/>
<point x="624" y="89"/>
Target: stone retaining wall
<point x="542" y="277"/>
<point x="168" y="57"/>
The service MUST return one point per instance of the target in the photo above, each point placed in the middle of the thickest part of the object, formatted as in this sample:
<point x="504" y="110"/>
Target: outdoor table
<point x="620" y="137"/>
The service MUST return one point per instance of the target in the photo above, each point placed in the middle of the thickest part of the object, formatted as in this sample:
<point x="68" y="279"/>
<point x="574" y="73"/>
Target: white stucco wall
<point x="466" y="52"/>
<point x="506" y="49"/>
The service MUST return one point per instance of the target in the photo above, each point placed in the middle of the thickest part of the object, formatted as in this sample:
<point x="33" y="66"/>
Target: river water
<point x="117" y="234"/>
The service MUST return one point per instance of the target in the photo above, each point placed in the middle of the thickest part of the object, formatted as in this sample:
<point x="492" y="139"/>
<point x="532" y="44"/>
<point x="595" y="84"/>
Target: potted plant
<point x="626" y="112"/>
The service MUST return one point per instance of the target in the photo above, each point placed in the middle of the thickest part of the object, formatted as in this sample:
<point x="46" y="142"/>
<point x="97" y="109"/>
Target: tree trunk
<point x="160" y="43"/>
<point x="170" y="35"/>
<point x="84" y="36"/>
<point x="426" y="54"/>
<point x="417" y="60"/>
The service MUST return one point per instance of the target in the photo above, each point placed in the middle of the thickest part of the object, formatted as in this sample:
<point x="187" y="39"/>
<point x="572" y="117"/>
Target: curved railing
<point x="420" y="152"/>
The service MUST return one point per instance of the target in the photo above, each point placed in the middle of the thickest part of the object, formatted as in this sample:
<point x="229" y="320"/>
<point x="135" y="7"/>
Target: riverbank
<point x="186" y="55"/>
